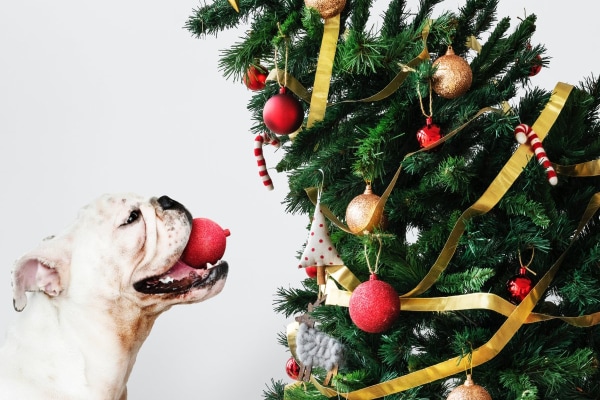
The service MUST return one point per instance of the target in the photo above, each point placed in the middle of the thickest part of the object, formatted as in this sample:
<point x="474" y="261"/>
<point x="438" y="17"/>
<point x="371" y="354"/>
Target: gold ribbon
<point x="291" y="83"/>
<point x="235" y="5"/>
<point x="590" y="168"/>
<point x="405" y="70"/>
<point x="484" y="301"/>
<point x="318" y="101"/>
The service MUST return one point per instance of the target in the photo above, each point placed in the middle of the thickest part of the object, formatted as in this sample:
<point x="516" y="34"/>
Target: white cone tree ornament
<point x="319" y="250"/>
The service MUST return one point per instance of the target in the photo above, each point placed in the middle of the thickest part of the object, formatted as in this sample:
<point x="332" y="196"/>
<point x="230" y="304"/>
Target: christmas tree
<point x="452" y="204"/>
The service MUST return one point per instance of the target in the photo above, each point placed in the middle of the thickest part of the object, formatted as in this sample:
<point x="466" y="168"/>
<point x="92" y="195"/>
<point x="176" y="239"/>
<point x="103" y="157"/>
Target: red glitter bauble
<point x="374" y="305"/>
<point x="292" y="368"/>
<point x="283" y="113"/>
<point x="519" y="286"/>
<point x="255" y="77"/>
<point x="206" y="243"/>
<point x="429" y="134"/>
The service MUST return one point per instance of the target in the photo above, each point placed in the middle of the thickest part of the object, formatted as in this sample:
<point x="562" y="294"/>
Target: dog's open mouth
<point x="181" y="278"/>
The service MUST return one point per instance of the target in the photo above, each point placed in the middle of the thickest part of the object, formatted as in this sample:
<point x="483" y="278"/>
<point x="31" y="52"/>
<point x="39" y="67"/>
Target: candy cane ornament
<point x="259" y="141"/>
<point x="524" y="133"/>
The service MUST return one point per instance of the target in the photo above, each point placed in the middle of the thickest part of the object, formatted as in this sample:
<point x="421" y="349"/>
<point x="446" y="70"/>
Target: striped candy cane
<point x="523" y="133"/>
<point x="259" y="140"/>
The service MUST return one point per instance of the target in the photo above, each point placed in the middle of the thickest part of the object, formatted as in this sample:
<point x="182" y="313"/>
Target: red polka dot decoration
<point x="319" y="250"/>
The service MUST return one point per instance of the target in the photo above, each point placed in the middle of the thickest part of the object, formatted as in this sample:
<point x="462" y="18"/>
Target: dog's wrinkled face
<point x="121" y="246"/>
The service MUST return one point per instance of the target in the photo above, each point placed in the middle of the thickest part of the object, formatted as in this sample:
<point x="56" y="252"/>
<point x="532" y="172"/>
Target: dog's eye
<point x="135" y="214"/>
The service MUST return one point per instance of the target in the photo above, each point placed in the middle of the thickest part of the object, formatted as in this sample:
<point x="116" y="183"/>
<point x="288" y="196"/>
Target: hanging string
<point x="469" y="355"/>
<point x="285" y="61"/>
<point x="375" y="269"/>
<point x="421" y="101"/>
<point x="530" y="260"/>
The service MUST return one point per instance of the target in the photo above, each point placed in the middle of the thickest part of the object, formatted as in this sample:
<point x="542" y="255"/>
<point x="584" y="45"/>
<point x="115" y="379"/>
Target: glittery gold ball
<point x="453" y="75"/>
<point x="469" y="391"/>
<point x="363" y="214"/>
<point x="327" y="8"/>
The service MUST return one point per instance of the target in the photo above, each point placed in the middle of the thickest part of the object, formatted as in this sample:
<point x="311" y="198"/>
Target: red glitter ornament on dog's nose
<point x="206" y="244"/>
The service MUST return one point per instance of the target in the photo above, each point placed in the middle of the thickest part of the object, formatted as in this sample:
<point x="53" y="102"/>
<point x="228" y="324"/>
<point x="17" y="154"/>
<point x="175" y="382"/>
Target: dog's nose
<point x="166" y="203"/>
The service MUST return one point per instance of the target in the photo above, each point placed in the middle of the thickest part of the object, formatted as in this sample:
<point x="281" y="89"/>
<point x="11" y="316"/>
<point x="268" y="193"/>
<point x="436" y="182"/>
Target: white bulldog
<point x="97" y="289"/>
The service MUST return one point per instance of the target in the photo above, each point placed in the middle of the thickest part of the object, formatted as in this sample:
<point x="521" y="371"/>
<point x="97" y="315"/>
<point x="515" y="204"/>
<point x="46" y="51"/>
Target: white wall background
<point x="117" y="96"/>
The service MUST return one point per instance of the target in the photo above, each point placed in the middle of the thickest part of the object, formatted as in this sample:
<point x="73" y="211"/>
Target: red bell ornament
<point x="283" y="113"/>
<point x="429" y="134"/>
<point x="519" y="286"/>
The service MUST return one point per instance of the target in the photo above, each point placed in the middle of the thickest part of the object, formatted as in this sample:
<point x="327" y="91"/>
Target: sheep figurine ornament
<point x="316" y="349"/>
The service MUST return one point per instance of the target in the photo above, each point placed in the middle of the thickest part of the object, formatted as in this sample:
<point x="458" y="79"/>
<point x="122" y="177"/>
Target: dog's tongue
<point x="181" y="271"/>
<point x="206" y="244"/>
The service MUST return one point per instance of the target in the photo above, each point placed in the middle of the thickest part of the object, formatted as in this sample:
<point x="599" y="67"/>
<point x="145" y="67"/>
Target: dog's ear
<point x="42" y="269"/>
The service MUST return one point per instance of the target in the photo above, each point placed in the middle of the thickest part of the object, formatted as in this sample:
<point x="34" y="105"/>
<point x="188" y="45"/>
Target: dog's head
<point x="121" y="246"/>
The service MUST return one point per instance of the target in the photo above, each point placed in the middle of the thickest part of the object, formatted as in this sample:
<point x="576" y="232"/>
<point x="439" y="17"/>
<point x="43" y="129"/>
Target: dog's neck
<point x="90" y="351"/>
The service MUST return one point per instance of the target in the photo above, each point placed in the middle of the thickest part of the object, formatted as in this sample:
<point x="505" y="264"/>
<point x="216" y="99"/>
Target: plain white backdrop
<point x="114" y="96"/>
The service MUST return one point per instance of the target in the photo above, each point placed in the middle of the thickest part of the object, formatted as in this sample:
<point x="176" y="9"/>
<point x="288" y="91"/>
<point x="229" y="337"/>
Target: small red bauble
<point x="374" y="305"/>
<point x="206" y="244"/>
<point x="283" y="113"/>
<point x="536" y="66"/>
<point x="292" y="368"/>
<point x="519" y="286"/>
<point x="311" y="271"/>
<point x="255" y="77"/>
<point x="429" y="134"/>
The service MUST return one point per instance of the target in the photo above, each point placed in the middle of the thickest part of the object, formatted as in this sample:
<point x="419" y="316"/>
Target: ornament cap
<point x="368" y="189"/>
<point x="469" y="380"/>
<point x="373" y="277"/>
<point x="450" y="51"/>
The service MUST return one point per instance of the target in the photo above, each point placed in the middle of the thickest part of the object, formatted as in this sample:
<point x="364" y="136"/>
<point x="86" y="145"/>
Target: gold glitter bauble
<point x="469" y="391"/>
<point x="363" y="209"/>
<point x="327" y="8"/>
<point x="453" y="75"/>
